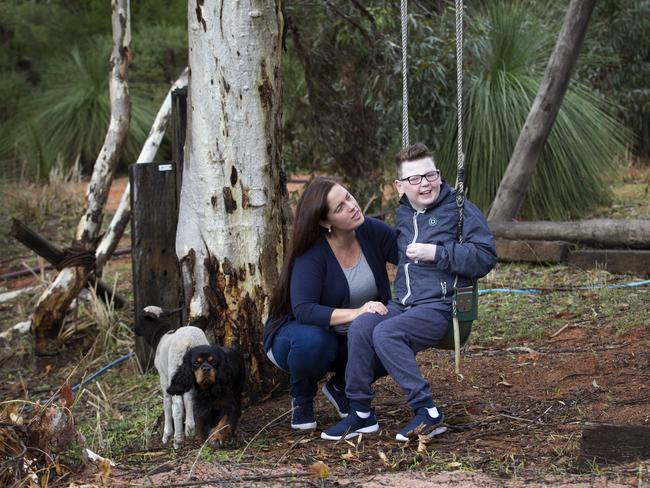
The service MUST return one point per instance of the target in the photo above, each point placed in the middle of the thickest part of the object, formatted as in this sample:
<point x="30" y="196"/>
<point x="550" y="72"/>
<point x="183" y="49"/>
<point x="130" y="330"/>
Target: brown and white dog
<point x="216" y="375"/>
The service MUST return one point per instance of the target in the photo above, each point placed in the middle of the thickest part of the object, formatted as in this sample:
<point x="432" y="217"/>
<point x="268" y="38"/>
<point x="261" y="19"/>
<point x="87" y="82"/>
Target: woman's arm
<point x="307" y="278"/>
<point x="342" y="316"/>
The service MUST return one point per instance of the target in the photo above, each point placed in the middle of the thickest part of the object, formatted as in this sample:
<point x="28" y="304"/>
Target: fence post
<point x="154" y="207"/>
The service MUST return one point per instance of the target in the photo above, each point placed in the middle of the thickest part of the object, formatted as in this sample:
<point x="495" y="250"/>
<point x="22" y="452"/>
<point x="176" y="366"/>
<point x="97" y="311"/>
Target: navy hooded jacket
<point x="425" y="282"/>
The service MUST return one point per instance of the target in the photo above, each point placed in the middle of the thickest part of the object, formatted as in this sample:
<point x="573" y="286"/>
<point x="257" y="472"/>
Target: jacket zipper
<point x="406" y="266"/>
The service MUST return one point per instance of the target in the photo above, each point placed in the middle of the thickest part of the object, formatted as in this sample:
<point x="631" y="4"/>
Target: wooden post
<point x="154" y="204"/>
<point x="179" y="127"/>
<point x="612" y="443"/>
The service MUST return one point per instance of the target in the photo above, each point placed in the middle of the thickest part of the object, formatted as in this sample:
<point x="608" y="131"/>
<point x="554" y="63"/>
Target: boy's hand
<point x="421" y="252"/>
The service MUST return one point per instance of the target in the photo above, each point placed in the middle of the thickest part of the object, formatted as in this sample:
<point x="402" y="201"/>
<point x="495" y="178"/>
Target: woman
<point x="334" y="270"/>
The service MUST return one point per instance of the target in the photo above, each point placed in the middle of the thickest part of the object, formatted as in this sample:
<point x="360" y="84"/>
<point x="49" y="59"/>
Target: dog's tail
<point x="153" y="324"/>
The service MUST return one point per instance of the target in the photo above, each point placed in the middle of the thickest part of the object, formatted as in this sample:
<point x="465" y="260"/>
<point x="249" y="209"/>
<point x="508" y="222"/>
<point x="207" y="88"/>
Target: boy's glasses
<point x="431" y="176"/>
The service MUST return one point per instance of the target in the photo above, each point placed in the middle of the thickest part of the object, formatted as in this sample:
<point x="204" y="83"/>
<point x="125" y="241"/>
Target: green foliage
<point x="160" y="55"/>
<point x="618" y="47"/>
<point x="342" y="75"/>
<point x="343" y="99"/>
<point x="54" y="77"/>
<point x="69" y="117"/>
<point x="582" y="151"/>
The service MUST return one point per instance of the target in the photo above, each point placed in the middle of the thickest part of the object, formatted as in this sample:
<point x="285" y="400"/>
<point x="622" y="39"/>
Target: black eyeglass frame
<point x="418" y="178"/>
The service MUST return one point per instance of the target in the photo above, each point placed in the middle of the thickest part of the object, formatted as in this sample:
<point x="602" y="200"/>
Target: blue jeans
<point x="308" y="353"/>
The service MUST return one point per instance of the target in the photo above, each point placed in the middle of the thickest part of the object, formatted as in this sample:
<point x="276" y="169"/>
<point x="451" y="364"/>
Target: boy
<point x="430" y="259"/>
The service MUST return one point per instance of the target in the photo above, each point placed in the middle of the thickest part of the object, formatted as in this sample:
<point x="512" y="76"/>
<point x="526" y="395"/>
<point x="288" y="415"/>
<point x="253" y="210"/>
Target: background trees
<point x="342" y="85"/>
<point x="53" y="79"/>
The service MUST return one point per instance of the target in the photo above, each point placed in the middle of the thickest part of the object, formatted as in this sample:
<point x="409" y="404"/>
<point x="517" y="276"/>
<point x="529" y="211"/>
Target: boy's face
<point x="423" y="194"/>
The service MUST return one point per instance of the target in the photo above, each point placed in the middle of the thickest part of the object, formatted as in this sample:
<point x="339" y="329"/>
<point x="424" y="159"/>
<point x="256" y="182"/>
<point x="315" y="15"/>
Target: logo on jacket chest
<point x="433" y="221"/>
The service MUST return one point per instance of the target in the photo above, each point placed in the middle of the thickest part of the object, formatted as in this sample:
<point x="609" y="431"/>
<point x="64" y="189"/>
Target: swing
<point x="465" y="299"/>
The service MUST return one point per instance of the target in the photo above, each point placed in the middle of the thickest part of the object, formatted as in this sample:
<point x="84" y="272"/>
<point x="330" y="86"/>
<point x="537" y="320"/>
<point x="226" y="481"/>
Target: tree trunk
<point x="599" y="232"/>
<point x="231" y="228"/>
<point x="149" y="149"/>
<point x="514" y="185"/>
<point x="50" y="310"/>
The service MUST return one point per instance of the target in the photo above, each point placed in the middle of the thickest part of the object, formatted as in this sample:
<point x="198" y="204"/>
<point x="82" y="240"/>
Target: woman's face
<point x="344" y="212"/>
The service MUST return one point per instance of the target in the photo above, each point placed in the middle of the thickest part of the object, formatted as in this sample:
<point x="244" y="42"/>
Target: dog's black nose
<point x="205" y="367"/>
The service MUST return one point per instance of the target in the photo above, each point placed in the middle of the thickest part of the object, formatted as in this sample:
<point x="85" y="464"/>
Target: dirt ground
<point x="515" y="418"/>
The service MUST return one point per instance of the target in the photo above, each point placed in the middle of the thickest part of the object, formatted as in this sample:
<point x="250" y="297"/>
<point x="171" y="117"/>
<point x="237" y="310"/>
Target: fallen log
<point x="613" y="260"/>
<point x="532" y="251"/>
<point x="614" y="443"/>
<point x="633" y="233"/>
<point x="55" y="255"/>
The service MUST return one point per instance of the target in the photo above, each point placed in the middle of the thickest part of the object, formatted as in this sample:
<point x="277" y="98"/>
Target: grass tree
<point x="69" y="116"/>
<point x="230" y="227"/>
<point x="508" y="50"/>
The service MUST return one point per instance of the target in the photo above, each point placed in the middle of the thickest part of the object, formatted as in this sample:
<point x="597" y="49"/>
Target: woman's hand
<point x="421" y="252"/>
<point x="346" y="315"/>
<point x="373" y="307"/>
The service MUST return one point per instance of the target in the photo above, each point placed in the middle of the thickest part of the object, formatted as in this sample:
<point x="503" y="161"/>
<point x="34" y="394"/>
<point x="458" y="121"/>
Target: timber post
<point x="154" y="207"/>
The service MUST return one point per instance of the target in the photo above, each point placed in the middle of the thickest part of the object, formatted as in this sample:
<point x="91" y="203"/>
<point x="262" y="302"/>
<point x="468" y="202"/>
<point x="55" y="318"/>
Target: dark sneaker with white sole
<point x="423" y="423"/>
<point x="351" y="426"/>
<point x="302" y="415"/>
<point x="337" y="398"/>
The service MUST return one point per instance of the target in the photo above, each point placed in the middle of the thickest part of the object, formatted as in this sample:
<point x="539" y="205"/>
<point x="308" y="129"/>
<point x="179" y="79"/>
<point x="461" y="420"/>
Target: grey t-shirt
<point x="363" y="288"/>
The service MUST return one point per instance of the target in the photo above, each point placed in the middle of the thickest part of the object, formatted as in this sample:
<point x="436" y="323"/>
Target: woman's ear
<point x="183" y="379"/>
<point x="326" y="226"/>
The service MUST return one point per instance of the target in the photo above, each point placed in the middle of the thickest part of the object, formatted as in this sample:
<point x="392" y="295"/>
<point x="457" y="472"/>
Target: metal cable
<point x="405" y="94"/>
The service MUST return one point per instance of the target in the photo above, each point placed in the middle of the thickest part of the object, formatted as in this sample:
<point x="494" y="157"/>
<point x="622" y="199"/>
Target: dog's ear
<point x="183" y="379"/>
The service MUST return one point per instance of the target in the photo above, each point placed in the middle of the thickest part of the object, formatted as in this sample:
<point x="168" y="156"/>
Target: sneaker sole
<point x="330" y="398"/>
<point x="364" y="430"/>
<point x="430" y="435"/>
<point x="309" y="426"/>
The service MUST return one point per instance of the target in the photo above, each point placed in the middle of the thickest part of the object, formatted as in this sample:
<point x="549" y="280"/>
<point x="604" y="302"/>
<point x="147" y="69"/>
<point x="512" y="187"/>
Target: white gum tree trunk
<point x="230" y="228"/>
<point x="50" y="310"/>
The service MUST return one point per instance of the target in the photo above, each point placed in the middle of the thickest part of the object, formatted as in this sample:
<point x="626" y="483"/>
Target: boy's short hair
<point x="412" y="153"/>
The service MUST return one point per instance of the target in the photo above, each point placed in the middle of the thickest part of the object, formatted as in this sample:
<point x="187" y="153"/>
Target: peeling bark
<point x="231" y="226"/>
<point x="50" y="310"/>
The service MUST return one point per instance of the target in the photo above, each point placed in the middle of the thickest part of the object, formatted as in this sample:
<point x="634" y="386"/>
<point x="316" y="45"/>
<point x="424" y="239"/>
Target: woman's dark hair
<point x="311" y="210"/>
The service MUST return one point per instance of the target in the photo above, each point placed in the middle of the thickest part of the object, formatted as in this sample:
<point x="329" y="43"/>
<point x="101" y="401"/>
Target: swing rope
<point x="405" y="91"/>
<point x="460" y="172"/>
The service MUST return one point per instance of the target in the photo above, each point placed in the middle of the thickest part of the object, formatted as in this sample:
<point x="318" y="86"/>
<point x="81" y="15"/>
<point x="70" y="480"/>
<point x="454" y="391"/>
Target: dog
<point x="217" y="376"/>
<point x="199" y="381"/>
<point x="171" y="346"/>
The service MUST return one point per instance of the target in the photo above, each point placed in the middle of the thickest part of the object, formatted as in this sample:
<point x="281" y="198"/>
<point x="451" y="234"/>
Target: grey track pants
<point x="394" y="340"/>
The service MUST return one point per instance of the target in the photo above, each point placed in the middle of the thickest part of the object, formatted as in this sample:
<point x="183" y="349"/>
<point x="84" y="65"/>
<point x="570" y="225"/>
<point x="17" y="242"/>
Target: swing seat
<point x="466" y="299"/>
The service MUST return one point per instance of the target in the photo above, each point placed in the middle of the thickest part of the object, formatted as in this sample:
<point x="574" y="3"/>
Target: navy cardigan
<point x="318" y="284"/>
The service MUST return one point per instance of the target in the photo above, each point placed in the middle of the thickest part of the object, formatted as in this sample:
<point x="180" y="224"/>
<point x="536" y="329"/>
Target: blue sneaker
<point x="337" y="398"/>
<point x="351" y="426"/>
<point x="427" y="422"/>
<point x="302" y="415"/>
